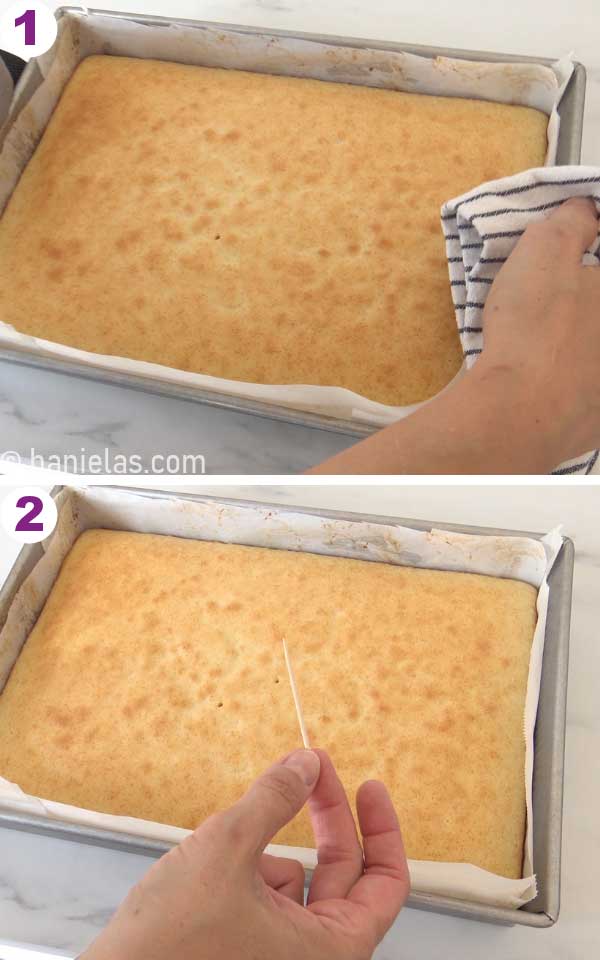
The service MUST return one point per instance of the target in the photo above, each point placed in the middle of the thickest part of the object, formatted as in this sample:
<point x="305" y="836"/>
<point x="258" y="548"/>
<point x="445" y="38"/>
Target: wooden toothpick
<point x="295" y="695"/>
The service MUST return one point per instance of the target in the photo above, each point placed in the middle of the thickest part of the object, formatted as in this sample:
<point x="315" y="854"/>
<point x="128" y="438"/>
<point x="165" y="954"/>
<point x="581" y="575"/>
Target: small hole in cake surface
<point x="220" y="703"/>
<point x="217" y="236"/>
<point x="276" y="679"/>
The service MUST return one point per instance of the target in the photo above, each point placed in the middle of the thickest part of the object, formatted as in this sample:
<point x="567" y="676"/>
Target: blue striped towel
<point x="482" y="227"/>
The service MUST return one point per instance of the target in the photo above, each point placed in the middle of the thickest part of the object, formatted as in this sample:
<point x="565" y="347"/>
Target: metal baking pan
<point x="569" y="152"/>
<point x="549" y="735"/>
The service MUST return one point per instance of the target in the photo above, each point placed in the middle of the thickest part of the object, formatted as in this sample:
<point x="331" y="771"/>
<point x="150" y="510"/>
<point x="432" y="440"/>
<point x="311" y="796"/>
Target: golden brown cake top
<point x="252" y="227"/>
<point x="153" y="685"/>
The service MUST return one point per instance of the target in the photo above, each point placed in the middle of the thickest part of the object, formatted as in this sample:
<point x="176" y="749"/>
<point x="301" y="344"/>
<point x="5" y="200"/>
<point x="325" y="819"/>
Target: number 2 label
<point x="26" y="524"/>
<point x="27" y="514"/>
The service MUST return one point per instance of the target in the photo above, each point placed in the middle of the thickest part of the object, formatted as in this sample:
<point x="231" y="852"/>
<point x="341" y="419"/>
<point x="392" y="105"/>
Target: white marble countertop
<point x="55" y="414"/>
<point x="57" y="895"/>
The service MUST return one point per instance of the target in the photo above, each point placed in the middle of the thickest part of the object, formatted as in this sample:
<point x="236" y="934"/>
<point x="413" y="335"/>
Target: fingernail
<point x="306" y="764"/>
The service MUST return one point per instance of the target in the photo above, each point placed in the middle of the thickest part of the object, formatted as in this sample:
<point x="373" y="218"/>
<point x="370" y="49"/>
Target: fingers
<point x="577" y="222"/>
<point x="564" y="236"/>
<point x="284" y="875"/>
<point x="385" y="883"/>
<point x="338" y="848"/>
<point x="273" y="800"/>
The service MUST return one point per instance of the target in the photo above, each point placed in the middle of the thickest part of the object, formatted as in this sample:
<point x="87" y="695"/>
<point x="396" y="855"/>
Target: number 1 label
<point x="28" y="19"/>
<point x="28" y="28"/>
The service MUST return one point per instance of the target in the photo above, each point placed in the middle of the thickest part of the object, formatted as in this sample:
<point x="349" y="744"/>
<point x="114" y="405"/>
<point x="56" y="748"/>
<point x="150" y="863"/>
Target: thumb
<point x="574" y="227"/>
<point x="277" y="796"/>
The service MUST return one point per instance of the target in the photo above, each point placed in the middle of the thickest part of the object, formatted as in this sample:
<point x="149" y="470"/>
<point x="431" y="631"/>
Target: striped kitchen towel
<point x="482" y="227"/>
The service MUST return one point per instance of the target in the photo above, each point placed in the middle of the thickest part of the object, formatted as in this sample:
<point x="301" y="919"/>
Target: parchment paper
<point x="519" y="558"/>
<point x="6" y="91"/>
<point x="80" y="35"/>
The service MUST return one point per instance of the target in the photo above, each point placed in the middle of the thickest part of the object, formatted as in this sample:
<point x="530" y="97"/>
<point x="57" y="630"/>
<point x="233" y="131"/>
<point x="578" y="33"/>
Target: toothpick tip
<point x="295" y="695"/>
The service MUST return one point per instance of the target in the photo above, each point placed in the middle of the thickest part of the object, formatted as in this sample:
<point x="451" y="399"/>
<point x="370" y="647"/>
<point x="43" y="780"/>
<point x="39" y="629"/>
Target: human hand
<point x="542" y="330"/>
<point x="532" y="399"/>
<point x="218" y="895"/>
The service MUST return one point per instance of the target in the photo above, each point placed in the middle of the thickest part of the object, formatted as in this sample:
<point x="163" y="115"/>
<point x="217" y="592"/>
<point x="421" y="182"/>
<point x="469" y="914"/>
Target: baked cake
<point x="154" y="685"/>
<point x="253" y="227"/>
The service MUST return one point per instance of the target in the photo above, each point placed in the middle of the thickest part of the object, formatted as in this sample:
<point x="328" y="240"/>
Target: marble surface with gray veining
<point x="58" y="895"/>
<point x="54" y="414"/>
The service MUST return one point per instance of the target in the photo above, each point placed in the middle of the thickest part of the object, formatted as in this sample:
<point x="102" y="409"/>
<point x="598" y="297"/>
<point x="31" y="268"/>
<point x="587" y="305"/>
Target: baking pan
<point x="549" y="734"/>
<point x="569" y="151"/>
